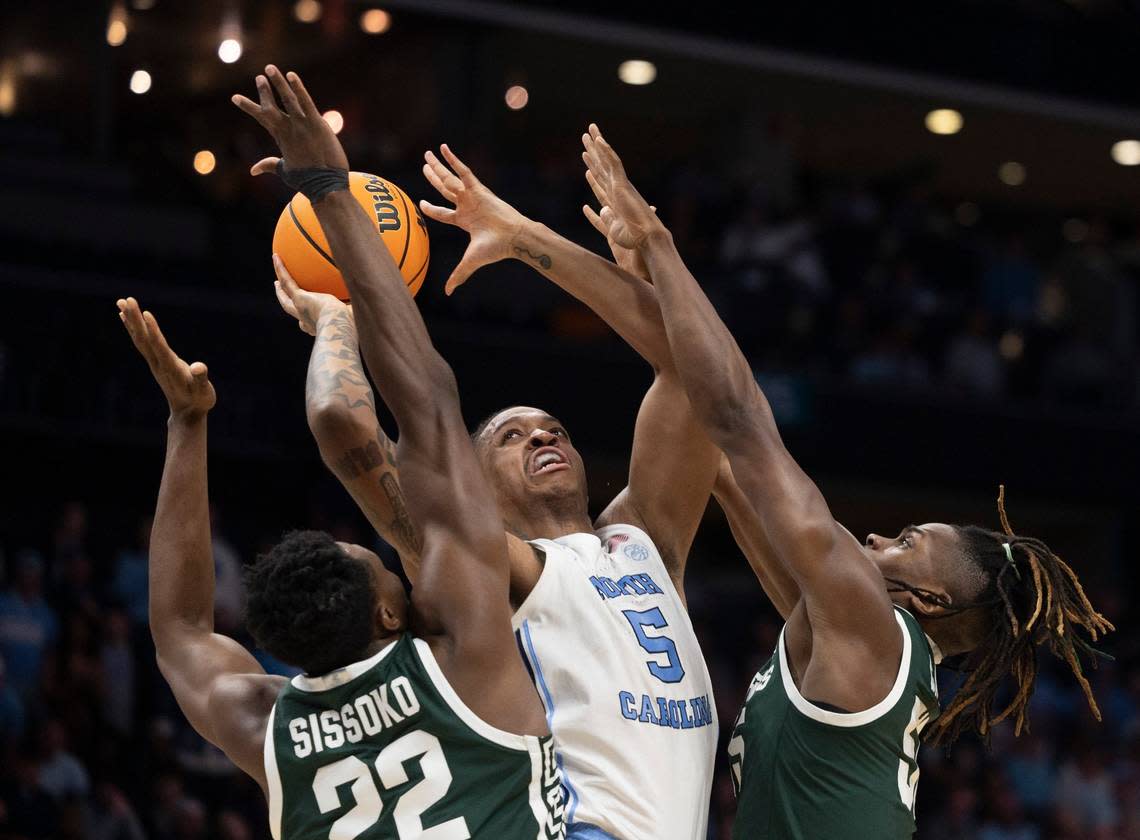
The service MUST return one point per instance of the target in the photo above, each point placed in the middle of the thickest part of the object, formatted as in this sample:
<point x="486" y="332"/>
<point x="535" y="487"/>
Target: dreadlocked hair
<point x="1036" y="599"/>
<point x="310" y="604"/>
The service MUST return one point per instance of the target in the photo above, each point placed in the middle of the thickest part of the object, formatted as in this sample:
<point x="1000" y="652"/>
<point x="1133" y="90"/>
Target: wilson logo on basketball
<point x="384" y="205"/>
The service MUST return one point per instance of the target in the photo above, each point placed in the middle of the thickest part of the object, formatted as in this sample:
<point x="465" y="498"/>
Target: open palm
<point x="186" y="387"/>
<point x="491" y="222"/>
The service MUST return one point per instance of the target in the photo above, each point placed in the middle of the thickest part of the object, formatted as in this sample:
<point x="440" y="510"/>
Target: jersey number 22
<point x="390" y="768"/>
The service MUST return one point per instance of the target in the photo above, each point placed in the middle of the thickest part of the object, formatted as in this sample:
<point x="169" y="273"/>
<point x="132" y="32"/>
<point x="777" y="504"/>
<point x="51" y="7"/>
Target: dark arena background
<point x="919" y="220"/>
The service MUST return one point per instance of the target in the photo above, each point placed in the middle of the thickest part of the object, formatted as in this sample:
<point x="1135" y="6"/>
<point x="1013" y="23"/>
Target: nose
<point x="540" y="438"/>
<point x="873" y="541"/>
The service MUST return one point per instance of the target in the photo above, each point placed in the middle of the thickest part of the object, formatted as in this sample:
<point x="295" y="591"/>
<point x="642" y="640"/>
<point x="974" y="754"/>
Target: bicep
<point x="671" y="471"/>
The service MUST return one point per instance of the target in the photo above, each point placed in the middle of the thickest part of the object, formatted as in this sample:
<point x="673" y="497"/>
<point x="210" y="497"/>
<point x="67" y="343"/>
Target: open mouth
<point x="548" y="459"/>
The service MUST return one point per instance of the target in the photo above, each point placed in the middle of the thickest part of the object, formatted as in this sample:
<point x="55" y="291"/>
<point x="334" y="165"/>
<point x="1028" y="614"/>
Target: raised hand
<point x="187" y="387"/>
<point x="629" y="259"/>
<point x="306" y="141"/>
<point x="491" y="222"/>
<point x="625" y="217"/>
<point x="307" y="307"/>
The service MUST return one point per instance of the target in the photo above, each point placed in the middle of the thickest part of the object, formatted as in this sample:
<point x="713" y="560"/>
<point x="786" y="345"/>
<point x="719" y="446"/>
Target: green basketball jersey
<point x="801" y="771"/>
<point x="384" y="748"/>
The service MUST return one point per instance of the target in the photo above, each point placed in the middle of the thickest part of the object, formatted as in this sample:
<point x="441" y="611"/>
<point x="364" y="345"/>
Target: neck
<point x="548" y="522"/>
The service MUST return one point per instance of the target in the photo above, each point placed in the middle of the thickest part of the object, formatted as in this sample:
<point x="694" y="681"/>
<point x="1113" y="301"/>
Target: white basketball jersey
<point x="626" y="690"/>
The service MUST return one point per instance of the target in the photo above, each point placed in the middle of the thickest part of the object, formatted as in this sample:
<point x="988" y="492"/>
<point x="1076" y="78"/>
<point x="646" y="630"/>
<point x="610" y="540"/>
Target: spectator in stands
<point x="130" y="583"/>
<point x="60" y="773"/>
<point x="1085" y="795"/>
<point x="11" y="710"/>
<point x="973" y="365"/>
<point x="28" y="627"/>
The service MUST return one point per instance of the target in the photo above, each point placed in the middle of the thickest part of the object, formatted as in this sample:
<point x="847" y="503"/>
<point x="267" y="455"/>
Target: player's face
<point x="389" y="590"/>
<point x="915" y="555"/>
<point x="526" y="452"/>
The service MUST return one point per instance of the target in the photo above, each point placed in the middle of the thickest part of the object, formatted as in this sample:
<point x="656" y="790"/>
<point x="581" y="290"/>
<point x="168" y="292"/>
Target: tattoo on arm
<point x="335" y="368"/>
<point x="402" y="526"/>
<point x="542" y="259"/>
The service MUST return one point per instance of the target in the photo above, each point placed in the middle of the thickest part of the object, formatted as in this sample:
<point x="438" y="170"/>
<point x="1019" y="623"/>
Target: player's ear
<point x="927" y="607"/>
<point x="388" y="618"/>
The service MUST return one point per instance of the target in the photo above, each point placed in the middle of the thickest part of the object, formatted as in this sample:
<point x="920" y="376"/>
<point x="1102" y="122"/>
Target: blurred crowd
<point x="93" y="746"/>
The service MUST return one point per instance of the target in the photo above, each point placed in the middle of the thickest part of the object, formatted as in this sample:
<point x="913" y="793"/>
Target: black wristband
<point x="313" y="183"/>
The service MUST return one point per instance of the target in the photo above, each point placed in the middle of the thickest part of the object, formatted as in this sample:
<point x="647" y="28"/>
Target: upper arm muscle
<point x="671" y="472"/>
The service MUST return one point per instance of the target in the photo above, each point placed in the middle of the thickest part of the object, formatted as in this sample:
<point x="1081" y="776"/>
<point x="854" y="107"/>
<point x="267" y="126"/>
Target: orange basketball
<point x="302" y="246"/>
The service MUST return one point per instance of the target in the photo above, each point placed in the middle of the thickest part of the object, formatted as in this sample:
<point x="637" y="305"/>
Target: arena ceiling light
<point x="204" y="162"/>
<point x="944" y="121"/>
<point x="637" y="72"/>
<point x="1012" y="174"/>
<point x="229" y="50"/>
<point x="117" y="25"/>
<point x="140" y="82"/>
<point x="375" y="21"/>
<point x="335" y="119"/>
<point x="7" y="89"/>
<point x="1126" y="152"/>
<point x="517" y="96"/>
<point x="307" y="11"/>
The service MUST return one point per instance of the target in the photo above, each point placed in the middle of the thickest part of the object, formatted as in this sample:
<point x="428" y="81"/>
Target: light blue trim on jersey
<point x="586" y="831"/>
<point x="571" y="794"/>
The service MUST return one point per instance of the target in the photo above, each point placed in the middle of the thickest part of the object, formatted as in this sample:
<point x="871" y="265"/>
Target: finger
<point x="594" y="131"/>
<point x="599" y="193"/>
<point x="157" y="340"/>
<point x="595" y="220"/>
<point x="303" y="327"/>
<point x="459" y="276"/>
<point x="288" y="284"/>
<point x="589" y="155"/>
<point x="440" y="214"/>
<point x="283" y="91"/>
<point x="265" y="97"/>
<point x="285" y="301"/>
<point x="450" y="182"/>
<point x="200" y="373"/>
<point x="437" y="182"/>
<point x="265" y="166"/>
<point x="136" y="329"/>
<point x="308" y="107"/>
<point x="250" y="107"/>
<point x="461" y="169"/>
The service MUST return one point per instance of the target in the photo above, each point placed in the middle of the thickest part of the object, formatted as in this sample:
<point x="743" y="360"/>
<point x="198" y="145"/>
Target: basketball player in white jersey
<point x="600" y="612"/>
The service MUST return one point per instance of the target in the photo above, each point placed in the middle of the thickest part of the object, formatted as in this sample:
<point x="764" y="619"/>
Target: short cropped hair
<point x="310" y="604"/>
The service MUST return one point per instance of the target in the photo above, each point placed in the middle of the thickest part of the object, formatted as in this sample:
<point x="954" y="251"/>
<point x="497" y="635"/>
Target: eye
<point x="907" y="541"/>
<point x="558" y="431"/>
<point x="511" y="433"/>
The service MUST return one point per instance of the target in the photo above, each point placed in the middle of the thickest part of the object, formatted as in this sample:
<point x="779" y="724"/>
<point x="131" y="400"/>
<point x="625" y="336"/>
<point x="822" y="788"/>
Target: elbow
<point x="332" y="421"/>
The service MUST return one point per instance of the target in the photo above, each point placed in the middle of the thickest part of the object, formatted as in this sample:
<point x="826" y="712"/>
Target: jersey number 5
<point x="670" y="672"/>
<point x="390" y="768"/>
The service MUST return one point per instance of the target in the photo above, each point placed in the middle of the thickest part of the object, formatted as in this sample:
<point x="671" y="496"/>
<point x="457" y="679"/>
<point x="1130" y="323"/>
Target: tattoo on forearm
<point x="360" y="460"/>
<point x="402" y="526"/>
<point x="335" y="368"/>
<point x="542" y="259"/>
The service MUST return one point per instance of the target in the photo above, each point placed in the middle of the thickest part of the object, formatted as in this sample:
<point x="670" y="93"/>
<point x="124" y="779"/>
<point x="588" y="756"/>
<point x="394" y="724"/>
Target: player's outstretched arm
<point x="219" y="686"/>
<point x="673" y="463"/>
<point x="341" y="411"/>
<point x="462" y="590"/>
<point x="840" y="585"/>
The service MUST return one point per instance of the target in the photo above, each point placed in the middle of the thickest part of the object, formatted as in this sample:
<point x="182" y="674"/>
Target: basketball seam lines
<point x="308" y="238"/>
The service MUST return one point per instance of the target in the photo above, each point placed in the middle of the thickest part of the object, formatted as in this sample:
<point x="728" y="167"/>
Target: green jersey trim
<point x="476" y="724"/>
<point x="273" y="779"/>
<point x="340" y="676"/>
<point x="848" y="719"/>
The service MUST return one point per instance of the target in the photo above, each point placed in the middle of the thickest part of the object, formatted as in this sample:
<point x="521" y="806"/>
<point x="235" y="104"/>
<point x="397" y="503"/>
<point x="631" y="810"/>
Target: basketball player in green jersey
<point x="826" y="744"/>
<point x="387" y="734"/>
